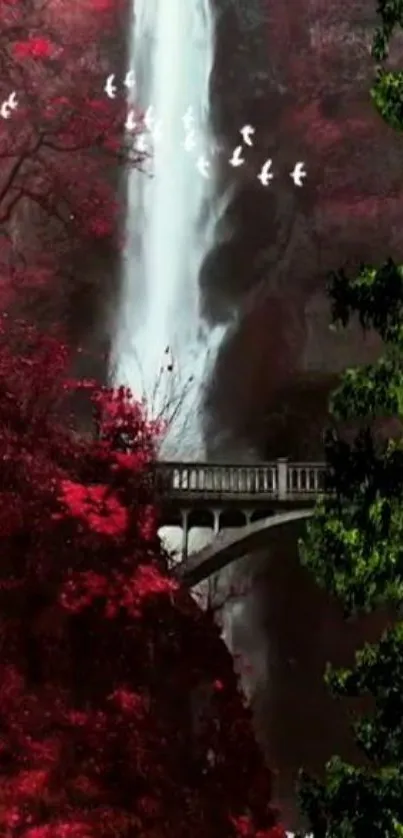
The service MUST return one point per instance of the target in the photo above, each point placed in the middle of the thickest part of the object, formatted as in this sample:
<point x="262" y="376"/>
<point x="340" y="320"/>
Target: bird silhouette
<point x="237" y="159"/>
<point x="130" y="123"/>
<point x="265" y="175"/>
<point x="110" y="88"/>
<point x="247" y="132"/>
<point x="298" y="173"/>
<point x="9" y="105"/>
<point x="130" y="80"/>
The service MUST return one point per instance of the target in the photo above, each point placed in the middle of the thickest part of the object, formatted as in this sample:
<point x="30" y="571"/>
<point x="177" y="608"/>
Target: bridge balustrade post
<point x="282" y="478"/>
<point x="185" y="533"/>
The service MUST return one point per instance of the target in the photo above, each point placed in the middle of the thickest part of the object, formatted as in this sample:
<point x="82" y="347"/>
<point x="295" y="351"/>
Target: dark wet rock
<point x="301" y="73"/>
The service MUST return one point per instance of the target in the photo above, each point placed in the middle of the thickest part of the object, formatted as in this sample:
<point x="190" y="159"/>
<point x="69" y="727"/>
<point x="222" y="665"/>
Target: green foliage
<point x="387" y="92"/>
<point x="375" y="295"/>
<point x="390" y="13"/>
<point x="375" y="390"/>
<point x="380" y="737"/>
<point x="387" y="96"/>
<point x="357" y="803"/>
<point x="354" y="548"/>
<point x="354" y="542"/>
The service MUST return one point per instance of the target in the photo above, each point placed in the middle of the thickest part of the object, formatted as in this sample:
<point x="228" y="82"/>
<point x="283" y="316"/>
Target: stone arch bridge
<point x="240" y="503"/>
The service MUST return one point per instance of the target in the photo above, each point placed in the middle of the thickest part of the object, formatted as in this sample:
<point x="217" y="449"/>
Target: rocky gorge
<point x="300" y="72"/>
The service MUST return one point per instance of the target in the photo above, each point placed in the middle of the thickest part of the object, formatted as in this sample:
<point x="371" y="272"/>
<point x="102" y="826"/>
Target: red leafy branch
<point x="60" y="148"/>
<point x="119" y="709"/>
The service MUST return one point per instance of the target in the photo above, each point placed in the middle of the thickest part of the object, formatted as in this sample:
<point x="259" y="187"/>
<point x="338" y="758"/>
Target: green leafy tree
<point x="354" y="546"/>
<point x="354" y="542"/>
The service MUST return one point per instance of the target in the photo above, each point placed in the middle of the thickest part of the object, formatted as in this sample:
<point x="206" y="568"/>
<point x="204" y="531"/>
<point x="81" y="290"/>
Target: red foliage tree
<point x="119" y="709"/>
<point x="65" y="132"/>
<point x="63" y="149"/>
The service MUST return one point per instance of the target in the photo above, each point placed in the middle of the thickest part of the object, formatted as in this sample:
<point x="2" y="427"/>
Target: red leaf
<point x="33" y="48"/>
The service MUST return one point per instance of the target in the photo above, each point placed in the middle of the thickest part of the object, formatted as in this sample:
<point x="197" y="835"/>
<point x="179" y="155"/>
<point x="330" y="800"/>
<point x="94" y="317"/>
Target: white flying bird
<point x="298" y="173"/>
<point x="9" y="105"/>
<point x="237" y="159"/>
<point x="265" y="175"/>
<point x="110" y="88"/>
<point x="247" y="132"/>
<point x="130" y="80"/>
<point x="131" y="123"/>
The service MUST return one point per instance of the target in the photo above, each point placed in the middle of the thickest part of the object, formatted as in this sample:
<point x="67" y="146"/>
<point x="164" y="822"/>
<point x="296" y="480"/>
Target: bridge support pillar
<point x="185" y="532"/>
<point x="216" y="521"/>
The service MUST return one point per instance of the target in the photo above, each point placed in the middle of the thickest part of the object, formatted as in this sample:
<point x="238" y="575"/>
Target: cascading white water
<point x="163" y="350"/>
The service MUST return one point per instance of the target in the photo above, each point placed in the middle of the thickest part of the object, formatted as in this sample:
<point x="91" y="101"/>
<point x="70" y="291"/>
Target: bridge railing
<point x="305" y="478"/>
<point x="279" y="479"/>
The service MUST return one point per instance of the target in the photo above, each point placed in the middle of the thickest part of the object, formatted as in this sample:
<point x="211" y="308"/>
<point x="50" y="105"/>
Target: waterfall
<point x="163" y="349"/>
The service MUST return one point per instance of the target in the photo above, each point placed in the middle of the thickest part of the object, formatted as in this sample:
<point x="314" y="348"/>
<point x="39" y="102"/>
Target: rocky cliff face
<point x="300" y="72"/>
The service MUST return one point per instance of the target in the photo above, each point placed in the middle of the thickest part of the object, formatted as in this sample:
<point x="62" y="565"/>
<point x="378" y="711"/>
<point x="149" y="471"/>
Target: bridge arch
<point x="261" y="514"/>
<point x="233" y="518"/>
<point x="227" y="547"/>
